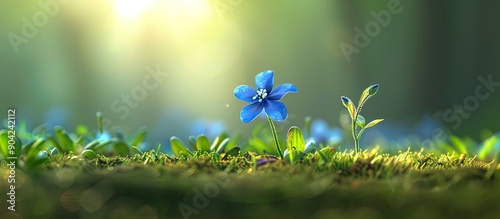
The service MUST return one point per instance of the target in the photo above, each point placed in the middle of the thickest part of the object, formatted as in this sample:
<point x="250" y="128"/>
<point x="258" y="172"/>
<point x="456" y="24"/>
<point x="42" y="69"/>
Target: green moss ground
<point x="209" y="185"/>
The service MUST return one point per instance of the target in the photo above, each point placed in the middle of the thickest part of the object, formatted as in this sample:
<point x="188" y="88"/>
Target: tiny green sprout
<point x="357" y="120"/>
<point x="220" y="145"/>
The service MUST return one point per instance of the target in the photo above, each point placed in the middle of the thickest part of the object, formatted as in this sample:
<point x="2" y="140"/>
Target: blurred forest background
<point x="62" y="61"/>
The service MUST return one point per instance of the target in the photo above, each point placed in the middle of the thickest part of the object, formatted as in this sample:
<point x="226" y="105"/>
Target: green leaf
<point x="65" y="142"/>
<point x="192" y="143"/>
<point x="179" y="148"/>
<point x="295" y="142"/>
<point x="257" y="145"/>
<point x="373" y="89"/>
<point x="140" y="137"/>
<point x="222" y="146"/>
<point x="367" y="93"/>
<point x="99" y="122"/>
<point x="324" y="154"/>
<point x="38" y="146"/>
<point x="360" y="121"/>
<point x="121" y="149"/>
<point x="36" y="161"/>
<point x="102" y="145"/>
<point x="293" y="156"/>
<point x="81" y="130"/>
<point x="39" y="131"/>
<point x="138" y="150"/>
<point x="487" y="147"/>
<point x="459" y="144"/>
<point x="349" y="105"/>
<point x="310" y="147"/>
<point x="321" y="154"/>
<point x="202" y="143"/>
<point x="216" y="142"/>
<point x="89" y="154"/>
<point x="233" y="152"/>
<point x="4" y="146"/>
<point x="373" y="123"/>
<point x="91" y="145"/>
<point x="27" y="146"/>
<point x="295" y="139"/>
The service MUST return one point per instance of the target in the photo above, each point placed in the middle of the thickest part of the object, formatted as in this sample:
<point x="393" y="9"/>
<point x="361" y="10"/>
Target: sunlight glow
<point x="131" y="8"/>
<point x="189" y="12"/>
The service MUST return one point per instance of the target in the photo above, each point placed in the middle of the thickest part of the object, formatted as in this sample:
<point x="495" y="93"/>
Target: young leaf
<point x="373" y="123"/>
<point x="102" y="145"/>
<point x="81" y="130"/>
<point x="310" y="147"/>
<point x="295" y="142"/>
<point x="367" y="93"/>
<point x="121" y="149"/>
<point x="89" y="154"/>
<point x="321" y="154"/>
<point x="202" y="143"/>
<point x="360" y="121"/>
<point x="192" y="143"/>
<point x="91" y="145"/>
<point x="99" y="121"/>
<point x="293" y="156"/>
<point x="373" y="89"/>
<point x="179" y="148"/>
<point x="222" y="146"/>
<point x="349" y="105"/>
<point x="64" y="140"/>
<point x="38" y="146"/>
<point x="140" y="137"/>
<point x="459" y="144"/>
<point x="138" y="150"/>
<point x="233" y="152"/>
<point x="487" y="147"/>
<point x="4" y="146"/>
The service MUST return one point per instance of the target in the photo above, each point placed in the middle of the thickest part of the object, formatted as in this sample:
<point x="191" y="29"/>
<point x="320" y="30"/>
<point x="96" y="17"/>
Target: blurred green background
<point x="62" y="61"/>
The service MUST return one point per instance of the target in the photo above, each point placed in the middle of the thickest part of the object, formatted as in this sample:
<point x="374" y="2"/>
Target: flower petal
<point x="281" y="90"/>
<point x="245" y="93"/>
<point x="276" y="110"/>
<point x="250" y="112"/>
<point x="265" y="80"/>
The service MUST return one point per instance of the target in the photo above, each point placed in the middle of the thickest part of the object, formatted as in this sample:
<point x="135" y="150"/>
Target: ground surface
<point x="150" y="185"/>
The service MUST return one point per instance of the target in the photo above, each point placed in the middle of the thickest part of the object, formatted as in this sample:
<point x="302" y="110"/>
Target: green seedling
<point x="357" y="120"/>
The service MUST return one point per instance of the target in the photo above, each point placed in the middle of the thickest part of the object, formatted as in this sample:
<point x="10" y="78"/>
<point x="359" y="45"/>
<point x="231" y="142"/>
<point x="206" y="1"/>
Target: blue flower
<point x="102" y="137"/>
<point x="211" y="129"/>
<point x="264" y="98"/>
<point x="321" y="133"/>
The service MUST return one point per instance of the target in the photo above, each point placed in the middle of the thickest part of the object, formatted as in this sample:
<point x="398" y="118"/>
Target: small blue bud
<point x="373" y="89"/>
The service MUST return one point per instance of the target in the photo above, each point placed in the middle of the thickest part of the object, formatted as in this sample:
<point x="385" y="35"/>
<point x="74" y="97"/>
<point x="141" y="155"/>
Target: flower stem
<point x="275" y="136"/>
<point x="354" y="134"/>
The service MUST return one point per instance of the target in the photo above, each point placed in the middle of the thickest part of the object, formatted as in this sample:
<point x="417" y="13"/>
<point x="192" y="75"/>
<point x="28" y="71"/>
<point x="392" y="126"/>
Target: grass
<point x="371" y="184"/>
<point x="95" y="174"/>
